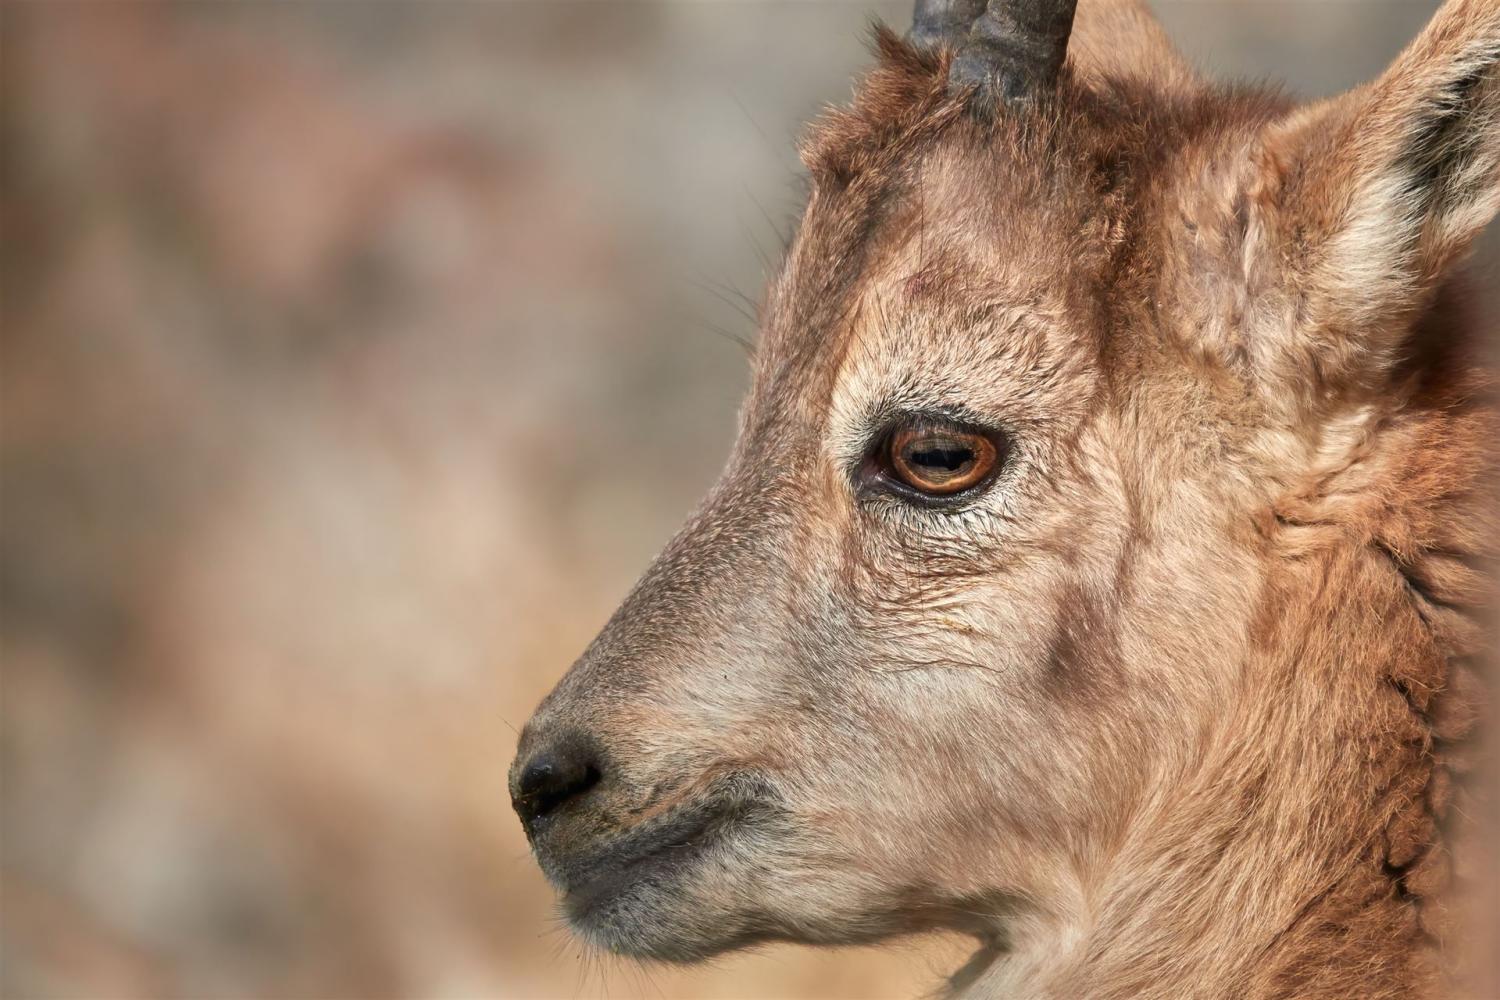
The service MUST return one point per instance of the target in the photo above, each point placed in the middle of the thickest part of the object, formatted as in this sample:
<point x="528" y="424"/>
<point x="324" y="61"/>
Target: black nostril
<point x="555" y="774"/>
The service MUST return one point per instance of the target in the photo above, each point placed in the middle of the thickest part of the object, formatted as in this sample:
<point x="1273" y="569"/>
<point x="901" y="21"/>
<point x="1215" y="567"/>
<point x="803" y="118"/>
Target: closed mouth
<point x="655" y="852"/>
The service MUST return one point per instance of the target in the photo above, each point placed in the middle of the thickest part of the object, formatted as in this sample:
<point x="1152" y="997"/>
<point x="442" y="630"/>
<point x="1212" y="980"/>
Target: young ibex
<point x="1100" y="569"/>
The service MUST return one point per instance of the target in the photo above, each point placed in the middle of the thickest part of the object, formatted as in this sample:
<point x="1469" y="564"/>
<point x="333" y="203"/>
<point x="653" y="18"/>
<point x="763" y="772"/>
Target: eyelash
<point x="888" y="470"/>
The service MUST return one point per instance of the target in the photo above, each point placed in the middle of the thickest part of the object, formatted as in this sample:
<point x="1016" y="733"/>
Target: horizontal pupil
<point x="948" y="459"/>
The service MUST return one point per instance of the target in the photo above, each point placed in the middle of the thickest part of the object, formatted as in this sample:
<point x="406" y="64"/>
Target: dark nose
<point x="558" y="771"/>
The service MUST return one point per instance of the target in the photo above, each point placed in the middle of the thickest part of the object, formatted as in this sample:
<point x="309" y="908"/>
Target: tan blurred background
<point x="357" y="356"/>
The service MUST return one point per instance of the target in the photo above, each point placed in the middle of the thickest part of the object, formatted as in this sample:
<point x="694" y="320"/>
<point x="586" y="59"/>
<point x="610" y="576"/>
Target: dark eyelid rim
<point x="870" y="479"/>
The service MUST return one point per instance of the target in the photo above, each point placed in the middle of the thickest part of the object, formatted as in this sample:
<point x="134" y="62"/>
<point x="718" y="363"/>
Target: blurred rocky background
<point x="356" y="357"/>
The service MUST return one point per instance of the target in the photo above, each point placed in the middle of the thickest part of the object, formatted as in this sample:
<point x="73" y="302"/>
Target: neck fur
<point x="1308" y="849"/>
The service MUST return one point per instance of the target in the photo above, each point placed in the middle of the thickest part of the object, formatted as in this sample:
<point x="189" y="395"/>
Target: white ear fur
<point x="1361" y="204"/>
<point x="1422" y="170"/>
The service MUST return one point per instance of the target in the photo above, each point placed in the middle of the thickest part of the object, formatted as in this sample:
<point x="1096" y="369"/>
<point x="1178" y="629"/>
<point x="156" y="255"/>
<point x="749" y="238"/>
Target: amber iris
<point x="940" y="460"/>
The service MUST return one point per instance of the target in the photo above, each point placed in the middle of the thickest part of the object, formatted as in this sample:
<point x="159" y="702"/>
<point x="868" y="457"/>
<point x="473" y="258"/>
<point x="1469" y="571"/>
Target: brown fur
<point x="1184" y="705"/>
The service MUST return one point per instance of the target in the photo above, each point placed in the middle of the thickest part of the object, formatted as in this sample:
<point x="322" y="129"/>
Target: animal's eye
<point x="939" y="460"/>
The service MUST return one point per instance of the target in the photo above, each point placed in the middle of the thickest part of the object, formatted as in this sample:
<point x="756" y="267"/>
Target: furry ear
<point x="1121" y="39"/>
<point x="1349" y="213"/>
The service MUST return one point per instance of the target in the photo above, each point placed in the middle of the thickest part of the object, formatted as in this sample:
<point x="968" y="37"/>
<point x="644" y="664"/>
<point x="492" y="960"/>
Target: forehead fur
<point x="921" y="198"/>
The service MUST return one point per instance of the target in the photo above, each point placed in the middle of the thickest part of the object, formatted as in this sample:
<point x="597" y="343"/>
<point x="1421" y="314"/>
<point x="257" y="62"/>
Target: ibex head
<point x="991" y="570"/>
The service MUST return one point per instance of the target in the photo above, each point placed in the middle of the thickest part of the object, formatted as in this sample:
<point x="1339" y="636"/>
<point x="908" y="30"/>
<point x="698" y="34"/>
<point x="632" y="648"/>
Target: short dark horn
<point x="1015" y="48"/>
<point x="939" y="23"/>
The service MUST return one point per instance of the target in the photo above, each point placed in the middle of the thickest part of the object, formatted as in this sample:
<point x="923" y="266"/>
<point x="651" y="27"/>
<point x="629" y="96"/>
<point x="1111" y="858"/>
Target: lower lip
<point x="614" y="869"/>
